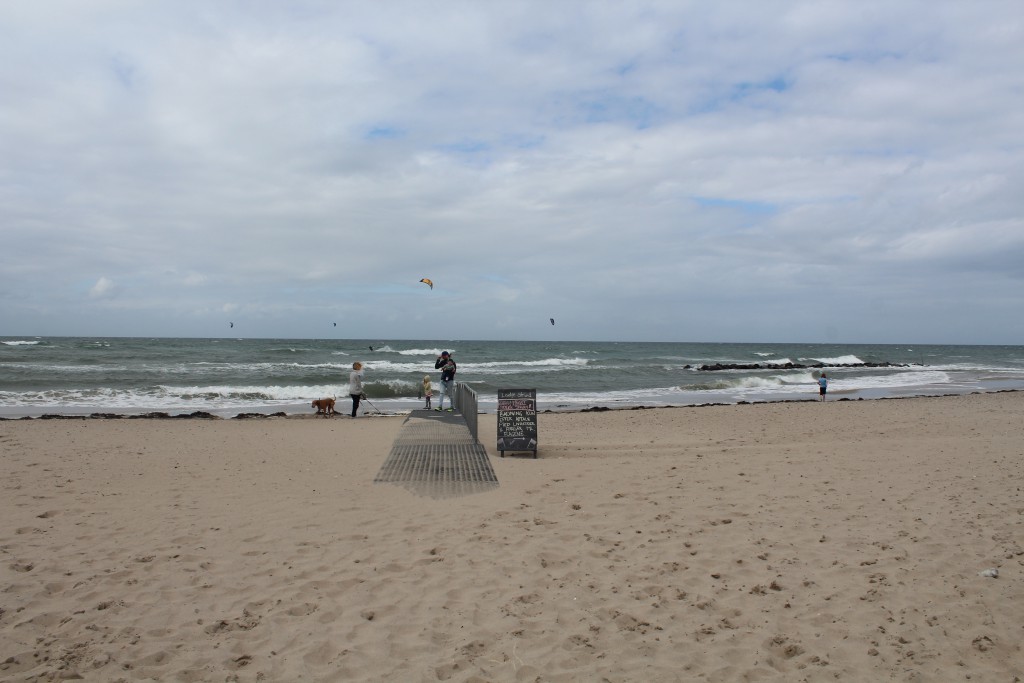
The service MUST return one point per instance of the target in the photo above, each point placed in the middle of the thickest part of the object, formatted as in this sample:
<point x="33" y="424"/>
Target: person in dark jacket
<point x="446" y="364"/>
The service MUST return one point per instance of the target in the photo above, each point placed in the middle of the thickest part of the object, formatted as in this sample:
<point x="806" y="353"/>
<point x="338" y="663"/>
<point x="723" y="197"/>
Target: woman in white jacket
<point x="355" y="385"/>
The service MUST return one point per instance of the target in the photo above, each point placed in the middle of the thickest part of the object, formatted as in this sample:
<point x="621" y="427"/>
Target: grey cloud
<point x="655" y="170"/>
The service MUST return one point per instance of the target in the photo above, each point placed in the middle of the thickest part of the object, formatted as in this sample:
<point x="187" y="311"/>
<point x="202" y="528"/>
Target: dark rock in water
<point x="595" y="409"/>
<point x="199" y="414"/>
<point x="732" y="366"/>
<point x="795" y="366"/>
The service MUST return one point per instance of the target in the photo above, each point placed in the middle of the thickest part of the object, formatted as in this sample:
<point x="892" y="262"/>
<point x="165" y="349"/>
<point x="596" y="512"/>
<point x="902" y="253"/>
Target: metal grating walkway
<point x="435" y="455"/>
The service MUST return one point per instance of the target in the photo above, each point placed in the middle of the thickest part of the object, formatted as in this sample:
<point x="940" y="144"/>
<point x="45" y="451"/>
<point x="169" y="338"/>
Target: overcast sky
<point x="657" y="171"/>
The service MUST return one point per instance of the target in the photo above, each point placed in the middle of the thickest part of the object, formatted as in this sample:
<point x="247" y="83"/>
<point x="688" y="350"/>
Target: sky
<point x="639" y="171"/>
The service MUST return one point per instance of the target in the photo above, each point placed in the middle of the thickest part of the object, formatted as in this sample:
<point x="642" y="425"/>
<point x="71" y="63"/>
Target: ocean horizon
<point x="228" y="376"/>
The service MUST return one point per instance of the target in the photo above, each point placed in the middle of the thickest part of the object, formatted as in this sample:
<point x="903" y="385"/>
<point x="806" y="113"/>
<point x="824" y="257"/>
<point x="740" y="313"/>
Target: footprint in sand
<point x="303" y="610"/>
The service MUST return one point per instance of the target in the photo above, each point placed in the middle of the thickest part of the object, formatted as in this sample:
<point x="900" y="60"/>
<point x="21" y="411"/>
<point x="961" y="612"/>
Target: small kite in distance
<point x="335" y="324"/>
<point x="552" y="321"/>
<point x="427" y="282"/>
<point x="232" y="324"/>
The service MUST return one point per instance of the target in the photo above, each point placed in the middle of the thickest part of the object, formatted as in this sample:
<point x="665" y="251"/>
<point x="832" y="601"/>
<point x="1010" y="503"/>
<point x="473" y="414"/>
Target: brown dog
<point x="324" y="406"/>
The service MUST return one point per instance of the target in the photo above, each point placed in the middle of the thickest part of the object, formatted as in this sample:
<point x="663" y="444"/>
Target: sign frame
<point x="517" y="420"/>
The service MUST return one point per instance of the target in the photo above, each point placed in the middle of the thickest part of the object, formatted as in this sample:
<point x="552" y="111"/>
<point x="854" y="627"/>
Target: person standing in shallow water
<point x="355" y="385"/>
<point x="822" y="386"/>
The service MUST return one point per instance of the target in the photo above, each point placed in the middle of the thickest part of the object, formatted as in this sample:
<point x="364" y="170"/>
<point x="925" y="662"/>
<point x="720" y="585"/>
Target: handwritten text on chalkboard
<point x="517" y="420"/>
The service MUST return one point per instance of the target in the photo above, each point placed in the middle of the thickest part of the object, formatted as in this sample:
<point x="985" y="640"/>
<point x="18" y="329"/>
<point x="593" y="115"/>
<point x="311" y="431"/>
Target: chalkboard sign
<point x="517" y="420"/>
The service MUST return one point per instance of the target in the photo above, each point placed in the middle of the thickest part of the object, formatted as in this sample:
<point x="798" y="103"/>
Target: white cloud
<point x="103" y="288"/>
<point x="654" y="171"/>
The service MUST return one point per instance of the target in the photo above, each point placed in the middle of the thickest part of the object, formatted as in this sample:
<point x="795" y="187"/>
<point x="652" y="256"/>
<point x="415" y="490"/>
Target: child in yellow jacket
<point x="427" y="391"/>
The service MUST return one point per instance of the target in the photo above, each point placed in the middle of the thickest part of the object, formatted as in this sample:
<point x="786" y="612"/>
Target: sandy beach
<point x="767" y="542"/>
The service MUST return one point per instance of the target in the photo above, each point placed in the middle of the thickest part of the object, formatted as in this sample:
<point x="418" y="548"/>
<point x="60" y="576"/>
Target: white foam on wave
<point x="786" y="382"/>
<point x="898" y="380"/>
<point x="200" y="368"/>
<point x="391" y="366"/>
<point x="261" y="367"/>
<point x="764" y="383"/>
<point x="215" y="394"/>
<point x="495" y="368"/>
<point x="66" y="369"/>
<point x="801" y="382"/>
<point x="542" y="362"/>
<point x="797" y="383"/>
<point x="168" y="398"/>
<point x="433" y="353"/>
<point x="398" y="385"/>
<point x="652" y="396"/>
<point x="841" y="360"/>
<point x="20" y="343"/>
<point x="977" y="367"/>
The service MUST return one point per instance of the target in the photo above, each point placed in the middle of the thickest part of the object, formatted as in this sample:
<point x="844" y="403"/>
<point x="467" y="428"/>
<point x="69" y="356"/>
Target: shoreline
<point x="9" y="413"/>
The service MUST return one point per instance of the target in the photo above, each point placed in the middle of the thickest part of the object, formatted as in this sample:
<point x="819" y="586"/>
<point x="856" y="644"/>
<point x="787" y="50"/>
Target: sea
<point x="226" y="377"/>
